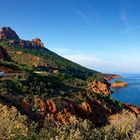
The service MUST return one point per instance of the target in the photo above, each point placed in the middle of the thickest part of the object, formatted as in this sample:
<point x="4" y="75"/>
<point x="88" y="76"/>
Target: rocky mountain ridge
<point x="6" y="33"/>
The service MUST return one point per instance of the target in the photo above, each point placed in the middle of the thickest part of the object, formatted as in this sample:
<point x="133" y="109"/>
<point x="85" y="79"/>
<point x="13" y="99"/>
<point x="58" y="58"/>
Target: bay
<point x="131" y="93"/>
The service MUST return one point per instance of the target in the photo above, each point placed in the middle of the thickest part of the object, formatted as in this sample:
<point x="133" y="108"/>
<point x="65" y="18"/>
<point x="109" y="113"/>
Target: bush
<point x="14" y="126"/>
<point x="127" y="127"/>
<point x="12" y="123"/>
<point x="117" y="81"/>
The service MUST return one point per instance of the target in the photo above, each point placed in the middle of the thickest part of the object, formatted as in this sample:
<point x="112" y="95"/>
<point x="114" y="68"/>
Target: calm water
<point x="131" y="93"/>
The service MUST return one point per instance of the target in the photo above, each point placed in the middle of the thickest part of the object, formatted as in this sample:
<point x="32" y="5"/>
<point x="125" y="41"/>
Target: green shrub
<point x="117" y="81"/>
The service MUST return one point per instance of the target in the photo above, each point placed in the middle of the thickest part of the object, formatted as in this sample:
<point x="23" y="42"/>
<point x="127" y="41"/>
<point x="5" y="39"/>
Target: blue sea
<point x="131" y="93"/>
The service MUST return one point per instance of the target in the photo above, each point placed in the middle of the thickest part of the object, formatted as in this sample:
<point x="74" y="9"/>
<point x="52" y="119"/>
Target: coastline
<point x="110" y="77"/>
<point x="120" y="84"/>
<point x="117" y="83"/>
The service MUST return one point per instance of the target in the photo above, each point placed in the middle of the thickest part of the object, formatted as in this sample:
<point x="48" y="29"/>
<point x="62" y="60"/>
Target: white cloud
<point x="118" y="62"/>
<point x="60" y="50"/>
<point x="82" y="15"/>
<point x="125" y="18"/>
<point x="89" y="15"/>
<point x="89" y="60"/>
<point x="86" y="59"/>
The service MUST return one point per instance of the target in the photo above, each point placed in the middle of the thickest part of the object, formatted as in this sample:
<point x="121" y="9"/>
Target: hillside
<point x="45" y="90"/>
<point x="34" y="54"/>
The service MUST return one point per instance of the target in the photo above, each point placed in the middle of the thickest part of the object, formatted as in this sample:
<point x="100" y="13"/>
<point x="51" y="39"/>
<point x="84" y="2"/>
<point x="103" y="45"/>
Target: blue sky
<point x="100" y="34"/>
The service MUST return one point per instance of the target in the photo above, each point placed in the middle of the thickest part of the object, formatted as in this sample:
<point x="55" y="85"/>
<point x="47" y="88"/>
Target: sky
<point x="99" y="34"/>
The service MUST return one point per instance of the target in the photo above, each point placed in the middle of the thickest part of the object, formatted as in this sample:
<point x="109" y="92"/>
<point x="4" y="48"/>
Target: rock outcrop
<point x="133" y="109"/>
<point x="100" y="87"/>
<point x="119" y="85"/>
<point x="8" y="33"/>
<point x="62" y="111"/>
<point x="25" y="44"/>
<point x="111" y="77"/>
<point x="37" y="42"/>
<point x="11" y="37"/>
<point x="4" y="55"/>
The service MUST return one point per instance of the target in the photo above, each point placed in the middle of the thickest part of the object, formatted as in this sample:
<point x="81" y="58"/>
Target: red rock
<point x="100" y="87"/>
<point x="12" y="38"/>
<point x="119" y="85"/>
<point x="132" y="108"/>
<point x="37" y="43"/>
<point x="111" y="77"/>
<point x="8" y="33"/>
<point x="26" y="106"/>
<point x="25" y="44"/>
<point x="42" y="106"/>
<point x="86" y="107"/>
<point x="51" y="105"/>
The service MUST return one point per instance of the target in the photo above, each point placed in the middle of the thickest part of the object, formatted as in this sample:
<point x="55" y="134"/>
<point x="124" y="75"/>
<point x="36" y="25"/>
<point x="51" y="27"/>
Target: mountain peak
<point x="37" y="42"/>
<point x="11" y="36"/>
<point x="8" y="33"/>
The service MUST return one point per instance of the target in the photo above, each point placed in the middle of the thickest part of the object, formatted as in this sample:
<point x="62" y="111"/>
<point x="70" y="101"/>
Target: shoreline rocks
<point x="119" y="84"/>
<point x="100" y="87"/>
<point x="111" y="77"/>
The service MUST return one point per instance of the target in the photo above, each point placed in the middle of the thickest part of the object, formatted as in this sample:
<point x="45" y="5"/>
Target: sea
<point x="131" y="93"/>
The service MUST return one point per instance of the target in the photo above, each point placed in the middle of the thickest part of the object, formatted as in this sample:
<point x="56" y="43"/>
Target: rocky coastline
<point x="119" y="84"/>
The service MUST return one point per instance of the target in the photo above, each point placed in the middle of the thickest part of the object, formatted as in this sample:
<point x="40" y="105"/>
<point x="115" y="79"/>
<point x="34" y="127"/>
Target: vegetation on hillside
<point x="13" y="125"/>
<point x="56" y="104"/>
<point x="49" y="57"/>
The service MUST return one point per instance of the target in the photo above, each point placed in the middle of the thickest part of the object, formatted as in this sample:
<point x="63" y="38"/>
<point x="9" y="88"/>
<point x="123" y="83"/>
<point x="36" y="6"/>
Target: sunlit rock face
<point x="119" y="85"/>
<point x="100" y="87"/>
<point x="37" y="42"/>
<point x="11" y="37"/>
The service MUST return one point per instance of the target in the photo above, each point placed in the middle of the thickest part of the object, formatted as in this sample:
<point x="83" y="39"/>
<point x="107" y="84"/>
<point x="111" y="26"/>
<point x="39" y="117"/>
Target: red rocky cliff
<point x="37" y="42"/>
<point x="100" y="87"/>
